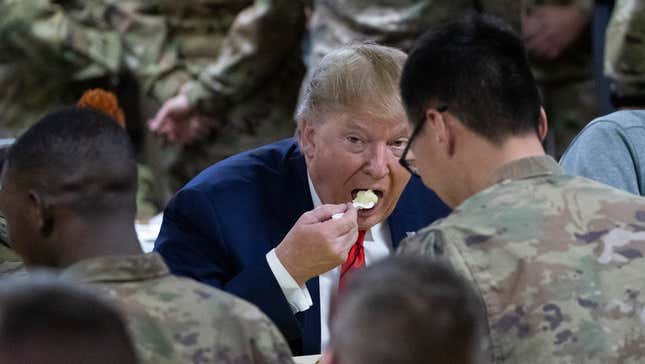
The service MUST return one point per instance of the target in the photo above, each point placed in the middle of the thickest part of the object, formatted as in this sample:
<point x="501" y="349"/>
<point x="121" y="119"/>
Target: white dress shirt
<point x="378" y="245"/>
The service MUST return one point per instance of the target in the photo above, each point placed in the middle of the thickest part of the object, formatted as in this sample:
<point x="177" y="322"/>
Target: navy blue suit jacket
<point x="219" y="227"/>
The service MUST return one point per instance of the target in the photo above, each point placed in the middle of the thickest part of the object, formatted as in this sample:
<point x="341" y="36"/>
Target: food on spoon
<point x="365" y="199"/>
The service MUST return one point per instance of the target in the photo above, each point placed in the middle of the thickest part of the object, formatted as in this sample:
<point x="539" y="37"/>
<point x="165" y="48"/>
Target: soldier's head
<point x="467" y="88"/>
<point x="47" y="322"/>
<point x="352" y="127"/>
<point x="406" y="310"/>
<point x="73" y="169"/>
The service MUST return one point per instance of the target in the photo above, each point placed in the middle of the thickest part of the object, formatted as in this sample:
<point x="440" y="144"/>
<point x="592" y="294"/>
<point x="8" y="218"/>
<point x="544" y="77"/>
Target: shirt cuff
<point x="298" y="297"/>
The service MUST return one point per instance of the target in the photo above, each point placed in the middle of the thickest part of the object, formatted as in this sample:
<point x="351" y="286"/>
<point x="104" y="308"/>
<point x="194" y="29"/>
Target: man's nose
<point x="377" y="161"/>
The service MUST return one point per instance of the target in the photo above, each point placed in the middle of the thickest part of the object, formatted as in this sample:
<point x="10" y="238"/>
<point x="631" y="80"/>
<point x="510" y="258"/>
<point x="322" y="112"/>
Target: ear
<point x="442" y="130"/>
<point x="306" y="135"/>
<point x="543" y="125"/>
<point x="42" y="216"/>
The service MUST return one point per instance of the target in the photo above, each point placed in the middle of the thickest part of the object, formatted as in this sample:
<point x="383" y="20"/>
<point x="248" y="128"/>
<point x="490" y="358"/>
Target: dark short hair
<point x="81" y="155"/>
<point x="406" y="310"/>
<point x="478" y="67"/>
<point x="44" y="321"/>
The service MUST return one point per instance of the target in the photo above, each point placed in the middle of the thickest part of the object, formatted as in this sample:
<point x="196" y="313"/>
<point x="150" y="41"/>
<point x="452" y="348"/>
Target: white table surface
<point x="307" y="359"/>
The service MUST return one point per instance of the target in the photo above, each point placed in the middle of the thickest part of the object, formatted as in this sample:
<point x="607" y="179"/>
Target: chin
<point x="366" y="222"/>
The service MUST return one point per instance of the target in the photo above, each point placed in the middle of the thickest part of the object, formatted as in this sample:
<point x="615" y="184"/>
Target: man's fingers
<point x="345" y="224"/>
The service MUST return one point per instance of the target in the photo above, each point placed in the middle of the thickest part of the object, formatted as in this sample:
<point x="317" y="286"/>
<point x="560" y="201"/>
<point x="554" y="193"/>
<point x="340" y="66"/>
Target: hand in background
<point x="549" y="30"/>
<point x="178" y="123"/>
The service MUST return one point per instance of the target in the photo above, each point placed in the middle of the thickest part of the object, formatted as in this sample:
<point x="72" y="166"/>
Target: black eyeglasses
<point x="410" y="164"/>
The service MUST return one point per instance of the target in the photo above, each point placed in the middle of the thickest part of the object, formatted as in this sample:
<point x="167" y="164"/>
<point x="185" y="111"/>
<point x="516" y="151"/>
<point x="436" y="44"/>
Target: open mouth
<point x="378" y="193"/>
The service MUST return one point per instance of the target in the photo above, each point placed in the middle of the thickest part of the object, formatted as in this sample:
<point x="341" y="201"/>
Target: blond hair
<point x="359" y="76"/>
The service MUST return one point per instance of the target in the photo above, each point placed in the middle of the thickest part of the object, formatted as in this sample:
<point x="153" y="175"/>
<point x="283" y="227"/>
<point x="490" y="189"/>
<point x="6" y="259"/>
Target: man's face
<point x="16" y="207"/>
<point x="351" y="151"/>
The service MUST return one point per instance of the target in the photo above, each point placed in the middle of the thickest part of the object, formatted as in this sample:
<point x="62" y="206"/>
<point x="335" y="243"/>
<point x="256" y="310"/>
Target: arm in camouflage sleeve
<point x="259" y="335"/>
<point x="427" y="242"/>
<point x="260" y="39"/>
<point x="54" y="39"/>
<point x="437" y="244"/>
<point x="625" y="53"/>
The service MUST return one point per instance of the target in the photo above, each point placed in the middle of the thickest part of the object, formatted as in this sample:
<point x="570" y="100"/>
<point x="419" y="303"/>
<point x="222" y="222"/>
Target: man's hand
<point x="317" y="243"/>
<point x="549" y="30"/>
<point x="179" y="124"/>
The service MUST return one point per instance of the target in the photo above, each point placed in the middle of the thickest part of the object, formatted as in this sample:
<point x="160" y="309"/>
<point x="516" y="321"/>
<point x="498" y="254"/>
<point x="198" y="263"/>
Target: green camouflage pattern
<point x="200" y="324"/>
<point x="11" y="264"/>
<point x="238" y="61"/>
<point x="49" y="54"/>
<point x="566" y="83"/>
<point x="557" y="261"/>
<point x="393" y="23"/>
<point x="569" y="107"/>
<point x="625" y="49"/>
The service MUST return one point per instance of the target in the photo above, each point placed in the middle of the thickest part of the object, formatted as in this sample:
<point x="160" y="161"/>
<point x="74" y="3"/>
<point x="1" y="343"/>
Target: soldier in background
<point x="625" y="54"/>
<point x="221" y="76"/>
<point x="396" y="24"/>
<point x="557" y="36"/>
<point x="556" y="259"/>
<point x="50" y="52"/>
<point x="10" y="262"/>
<point x="611" y="149"/>
<point x="68" y="193"/>
<point x="416" y="309"/>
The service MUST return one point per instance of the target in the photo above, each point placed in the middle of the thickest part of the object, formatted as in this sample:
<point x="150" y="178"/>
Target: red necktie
<point x="355" y="260"/>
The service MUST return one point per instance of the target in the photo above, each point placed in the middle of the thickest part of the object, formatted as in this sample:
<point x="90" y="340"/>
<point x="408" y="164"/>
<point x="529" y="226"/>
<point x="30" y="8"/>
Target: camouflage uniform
<point x="625" y="52"/>
<point x="10" y="263"/>
<point x="238" y="61"/>
<point x="566" y="83"/>
<point x="557" y="261"/>
<point x="203" y="324"/>
<point x="397" y="24"/>
<point x="49" y="54"/>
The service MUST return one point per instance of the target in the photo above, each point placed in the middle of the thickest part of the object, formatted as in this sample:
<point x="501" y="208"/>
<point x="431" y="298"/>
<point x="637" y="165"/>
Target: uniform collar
<point x="119" y="268"/>
<point x="527" y="168"/>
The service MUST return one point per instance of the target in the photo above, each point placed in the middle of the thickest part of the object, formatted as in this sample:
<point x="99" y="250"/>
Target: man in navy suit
<point x="259" y="224"/>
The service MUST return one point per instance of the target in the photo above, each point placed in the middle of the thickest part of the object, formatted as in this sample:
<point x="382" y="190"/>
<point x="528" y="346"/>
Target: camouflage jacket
<point x="625" y="50"/>
<point x="557" y="261"/>
<point x="226" y="50"/>
<point x="394" y="23"/>
<point x="204" y="325"/>
<point x="49" y="52"/>
<point x="10" y="263"/>
<point x="233" y="56"/>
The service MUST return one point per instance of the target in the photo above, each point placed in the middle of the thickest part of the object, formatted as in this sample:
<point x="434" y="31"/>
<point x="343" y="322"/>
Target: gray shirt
<point x="611" y="150"/>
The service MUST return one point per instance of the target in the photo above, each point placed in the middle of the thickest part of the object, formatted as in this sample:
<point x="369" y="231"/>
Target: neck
<point x="115" y="236"/>
<point x="483" y="159"/>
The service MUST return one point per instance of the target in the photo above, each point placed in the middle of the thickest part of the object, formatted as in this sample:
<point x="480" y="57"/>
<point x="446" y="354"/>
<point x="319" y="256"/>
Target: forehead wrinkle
<point x="366" y="121"/>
